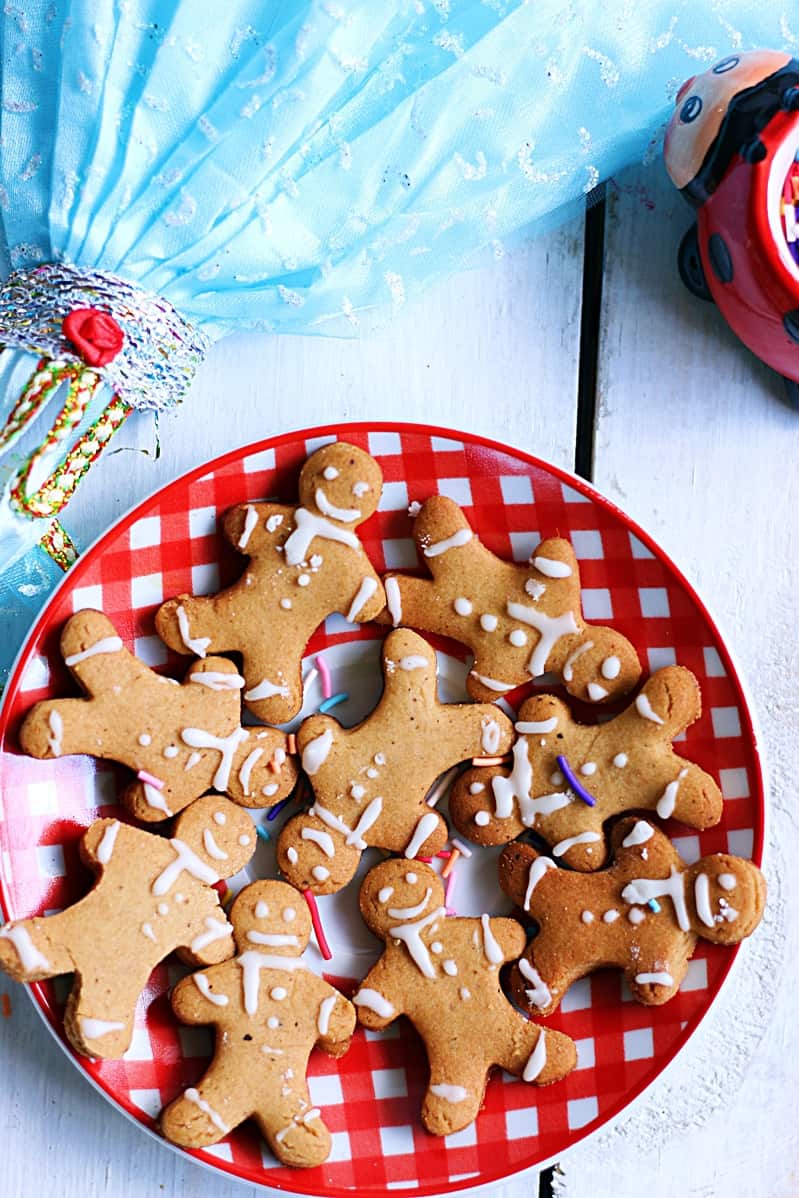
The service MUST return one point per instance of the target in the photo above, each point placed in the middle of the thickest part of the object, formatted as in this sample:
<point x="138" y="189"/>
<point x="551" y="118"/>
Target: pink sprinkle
<point x="143" y="776"/>
<point x="324" y="947"/>
<point x="449" y="890"/>
<point x="443" y="853"/>
<point x="427" y="860"/>
<point x="327" y="689"/>
<point x="461" y="847"/>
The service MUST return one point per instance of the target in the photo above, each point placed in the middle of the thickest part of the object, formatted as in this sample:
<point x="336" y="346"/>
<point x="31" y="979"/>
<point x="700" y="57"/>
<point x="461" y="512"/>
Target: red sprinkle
<point x="220" y="887"/>
<point x="324" y="947"/>
<point x="6" y="1004"/>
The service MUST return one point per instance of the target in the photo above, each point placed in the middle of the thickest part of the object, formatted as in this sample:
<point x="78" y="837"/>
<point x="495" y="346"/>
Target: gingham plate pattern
<point x="370" y="1098"/>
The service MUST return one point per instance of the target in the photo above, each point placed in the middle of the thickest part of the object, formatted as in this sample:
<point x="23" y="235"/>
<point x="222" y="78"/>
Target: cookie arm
<point x="368" y="598"/>
<point x="510" y="937"/>
<point x="95" y="656"/>
<point x="413" y="601"/>
<point x="376" y="1001"/>
<point x="245" y="526"/>
<point x="337" y="1018"/>
<point x="210" y="936"/>
<point x="190" y="1000"/>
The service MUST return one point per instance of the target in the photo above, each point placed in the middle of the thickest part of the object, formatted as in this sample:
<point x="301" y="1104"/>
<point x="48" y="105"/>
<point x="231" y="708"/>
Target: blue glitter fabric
<point x="308" y="166"/>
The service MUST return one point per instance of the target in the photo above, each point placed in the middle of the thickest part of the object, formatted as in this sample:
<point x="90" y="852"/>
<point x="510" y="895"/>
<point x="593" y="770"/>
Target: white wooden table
<point x="691" y="438"/>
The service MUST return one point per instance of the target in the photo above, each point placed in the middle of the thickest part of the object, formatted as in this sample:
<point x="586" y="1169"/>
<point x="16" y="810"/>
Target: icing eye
<point x="289" y="914"/>
<point x="690" y="110"/>
<point x="244" y="840"/>
<point x="219" y="817"/>
<point x="261" y="910"/>
<point x="726" y="64"/>
<point x="411" y="878"/>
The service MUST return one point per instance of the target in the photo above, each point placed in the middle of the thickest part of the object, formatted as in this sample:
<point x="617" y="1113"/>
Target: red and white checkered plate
<point x="370" y="1098"/>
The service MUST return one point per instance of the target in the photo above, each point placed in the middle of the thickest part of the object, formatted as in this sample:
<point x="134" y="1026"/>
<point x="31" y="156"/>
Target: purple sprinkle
<point x="578" y="789"/>
<point x="274" y="812"/>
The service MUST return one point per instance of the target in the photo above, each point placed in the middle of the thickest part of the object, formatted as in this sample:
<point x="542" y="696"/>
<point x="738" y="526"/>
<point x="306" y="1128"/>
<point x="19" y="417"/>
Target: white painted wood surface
<point x="494" y="352"/>
<point x="693" y="441"/>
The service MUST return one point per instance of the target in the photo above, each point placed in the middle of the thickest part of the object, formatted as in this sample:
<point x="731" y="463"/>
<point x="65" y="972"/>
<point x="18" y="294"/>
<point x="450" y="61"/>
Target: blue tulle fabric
<point x="308" y="166"/>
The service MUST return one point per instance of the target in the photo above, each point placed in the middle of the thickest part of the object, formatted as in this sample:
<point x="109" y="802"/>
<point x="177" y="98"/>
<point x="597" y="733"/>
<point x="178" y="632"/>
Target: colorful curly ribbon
<point x="48" y="499"/>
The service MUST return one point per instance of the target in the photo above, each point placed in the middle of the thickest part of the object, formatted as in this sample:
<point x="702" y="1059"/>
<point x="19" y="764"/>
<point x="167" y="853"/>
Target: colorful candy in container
<point x="732" y="148"/>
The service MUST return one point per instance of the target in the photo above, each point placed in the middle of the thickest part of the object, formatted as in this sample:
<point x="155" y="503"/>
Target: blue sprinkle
<point x="333" y="701"/>
<point x="653" y="905"/>
<point x="262" y="831"/>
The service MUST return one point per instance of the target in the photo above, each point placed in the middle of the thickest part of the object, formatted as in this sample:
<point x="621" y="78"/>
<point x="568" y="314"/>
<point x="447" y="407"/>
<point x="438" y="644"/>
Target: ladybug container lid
<point x="720" y="113"/>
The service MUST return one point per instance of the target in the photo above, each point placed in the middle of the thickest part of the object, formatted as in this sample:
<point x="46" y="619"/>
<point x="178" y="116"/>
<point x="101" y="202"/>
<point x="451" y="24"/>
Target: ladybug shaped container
<point x="732" y="148"/>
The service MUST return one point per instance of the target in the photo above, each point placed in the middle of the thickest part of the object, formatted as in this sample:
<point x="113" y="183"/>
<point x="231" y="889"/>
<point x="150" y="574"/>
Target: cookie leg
<point x="294" y="1129"/>
<point x="205" y="1113"/>
<point x="539" y="1055"/>
<point x="427" y="836"/>
<point x="454" y="1094"/>
<point x="273" y="673"/>
<point x="151" y="804"/>
<point x="98" y="1023"/>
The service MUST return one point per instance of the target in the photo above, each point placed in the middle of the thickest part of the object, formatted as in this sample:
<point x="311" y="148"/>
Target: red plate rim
<point x="578" y="484"/>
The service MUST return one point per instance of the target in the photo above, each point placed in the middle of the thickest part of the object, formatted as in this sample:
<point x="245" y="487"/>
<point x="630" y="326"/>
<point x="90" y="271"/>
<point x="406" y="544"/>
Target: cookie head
<point x="341" y="482"/>
<point x="399" y="892"/>
<point x="272" y="917"/>
<point x="603" y="666"/>
<point x="728" y="896"/>
<point x="219" y="832"/>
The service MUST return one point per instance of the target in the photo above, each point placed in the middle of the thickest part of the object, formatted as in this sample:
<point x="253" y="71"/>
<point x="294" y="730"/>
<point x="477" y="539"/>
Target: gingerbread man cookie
<point x="181" y="740"/>
<point x="626" y="763"/>
<point x="370" y="782"/>
<point x="443" y="974"/>
<point x="269" y="1011"/>
<point x="306" y="562"/>
<point x="520" y="621"/>
<point x="152" y="896"/>
<point x="643" y="914"/>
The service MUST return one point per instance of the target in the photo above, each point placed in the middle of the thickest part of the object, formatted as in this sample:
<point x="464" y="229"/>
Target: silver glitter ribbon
<point x="161" y="352"/>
